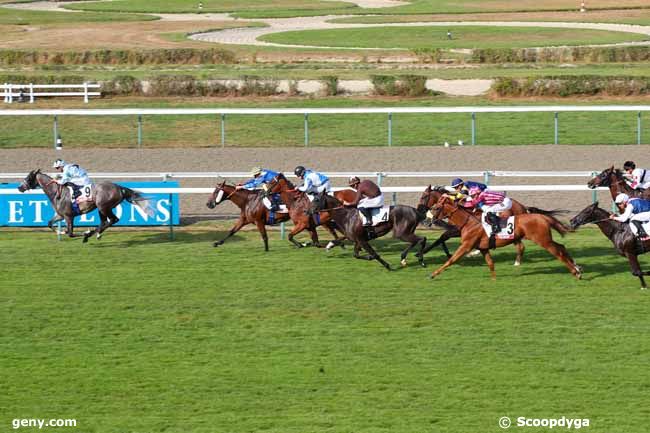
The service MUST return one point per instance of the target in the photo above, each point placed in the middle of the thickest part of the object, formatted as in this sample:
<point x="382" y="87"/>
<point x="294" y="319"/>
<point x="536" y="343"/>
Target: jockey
<point x="491" y="203"/>
<point x="462" y="188"/>
<point x="369" y="197"/>
<point x="260" y="177"/>
<point x="639" y="177"/>
<point x="314" y="183"/>
<point x="636" y="210"/>
<point x="72" y="175"/>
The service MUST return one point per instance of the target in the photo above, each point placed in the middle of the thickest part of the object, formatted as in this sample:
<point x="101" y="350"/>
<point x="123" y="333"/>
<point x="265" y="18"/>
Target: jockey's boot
<point x="640" y="231"/>
<point x="367" y="212"/>
<point x="493" y="219"/>
<point x="275" y="203"/>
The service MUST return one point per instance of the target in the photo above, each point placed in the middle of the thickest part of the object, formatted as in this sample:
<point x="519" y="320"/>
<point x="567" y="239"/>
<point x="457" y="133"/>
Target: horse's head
<point x="443" y="208"/>
<point x="30" y="181"/>
<point x="279" y="184"/>
<point x="605" y="178"/>
<point x="425" y="199"/>
<point x="588" y="215"/>
<point x="217" y="196"/>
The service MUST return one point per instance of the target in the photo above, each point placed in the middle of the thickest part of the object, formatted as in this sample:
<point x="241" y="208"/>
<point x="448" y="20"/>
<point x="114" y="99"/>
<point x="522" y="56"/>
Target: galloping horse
<point x="403" y="221"/>
<point x="535" y="227"/>
<point x="252" y="210"/>
<point x="299" y="205"/>
<point x="105" y="196"/>
<point x="624" y="241"/>
<point x="430" y="197"/>
<point x="613" y="178"/>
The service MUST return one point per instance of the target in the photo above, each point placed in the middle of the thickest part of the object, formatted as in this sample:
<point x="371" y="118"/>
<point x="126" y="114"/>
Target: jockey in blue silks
<point x="314" y="182"/>
<point x="72" y="175"/>
<point x="260" y="177"/>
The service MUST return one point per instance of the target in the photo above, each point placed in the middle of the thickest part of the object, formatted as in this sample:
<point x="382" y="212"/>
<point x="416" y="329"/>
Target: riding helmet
<point x="353" y="180"/>
<point x="299" y="171"/>
<point x="456" y="182"/>
<point x="629" y="165"/>
<point x="58" y="163"/>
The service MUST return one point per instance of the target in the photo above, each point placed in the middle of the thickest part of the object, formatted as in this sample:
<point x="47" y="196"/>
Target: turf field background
<point x="138" y="334"/>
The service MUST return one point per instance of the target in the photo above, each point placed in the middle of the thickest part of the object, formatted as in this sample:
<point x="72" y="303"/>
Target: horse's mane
<point x="618" y="173"/>
<point x="440" y="189"/>
<point x="289" y="183"/>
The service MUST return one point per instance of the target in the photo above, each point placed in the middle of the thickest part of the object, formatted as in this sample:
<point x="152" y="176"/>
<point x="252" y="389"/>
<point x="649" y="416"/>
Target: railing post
<point x="486" y="177"/>
<point x="85" y="92"/>
<point x="473" y="129"/>
<point x="31" y="93"/>
<point x="390" y="129"/>
<point x="223" y="130"/>
<point x="638" y="128"/>
<point x="556" y="136"/>
<point x="594" y="192"/>
<point x="380" y="177"/>
<point x="282" y="231"/>
<point x="56" y="129"/>
<point x="139" y="130"/>
<point x="11" y="93"/>
<point x="306" y="130"/>
<point x="4" y="88"/>
<point x="394" y="199"/>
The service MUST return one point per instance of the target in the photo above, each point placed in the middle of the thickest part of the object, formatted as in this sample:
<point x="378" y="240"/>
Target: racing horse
<point x="299" y="205"/>
<point x="430" y="197"/>
<point x="252" y="210"/>
<point x="614" y="180"/>
<point x="626" y="244"/>
<point x="403" y="220"/>
<point x="535" y="227"/>
<point x="105" y="196"/>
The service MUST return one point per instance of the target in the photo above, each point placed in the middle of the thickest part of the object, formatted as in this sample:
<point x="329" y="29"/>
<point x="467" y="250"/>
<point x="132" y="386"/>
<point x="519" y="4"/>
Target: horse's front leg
<point x="69" y="221"/>
<point x="238" y="225"/>
<point x="463" y="249"/>
<point x="56" y="218"/>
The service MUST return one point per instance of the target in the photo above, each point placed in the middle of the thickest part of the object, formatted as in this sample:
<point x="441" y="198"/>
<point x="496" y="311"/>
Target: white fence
<point x="306" y="112"/>
<point x="486" y="176"/>
<point x="18" y="91"/>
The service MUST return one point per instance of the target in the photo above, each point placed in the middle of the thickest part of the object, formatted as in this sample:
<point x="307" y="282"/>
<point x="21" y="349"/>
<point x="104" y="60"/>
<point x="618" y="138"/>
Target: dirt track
<point x="520" y="158"/>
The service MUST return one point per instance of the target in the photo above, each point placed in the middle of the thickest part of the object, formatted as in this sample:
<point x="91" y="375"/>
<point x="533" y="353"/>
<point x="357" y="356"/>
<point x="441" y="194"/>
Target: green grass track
<point x="135" y="333"/>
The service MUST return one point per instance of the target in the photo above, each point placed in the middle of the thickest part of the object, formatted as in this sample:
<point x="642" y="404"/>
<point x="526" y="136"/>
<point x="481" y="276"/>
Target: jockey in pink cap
<point x="491" y="203"/>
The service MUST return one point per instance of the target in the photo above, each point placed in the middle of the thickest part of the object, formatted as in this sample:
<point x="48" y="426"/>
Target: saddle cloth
<point x="379" y="215"/>
<point x="646" y="227"/>
<point x="86" y="193"/>
<point x="507" y="227"/>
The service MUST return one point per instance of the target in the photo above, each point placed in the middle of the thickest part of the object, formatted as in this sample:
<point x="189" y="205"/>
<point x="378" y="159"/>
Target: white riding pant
<point x="371" y="202"/>
<point x="642" y="216"/>
<point x="499" y="207"/>
<point x="318" y="189"/>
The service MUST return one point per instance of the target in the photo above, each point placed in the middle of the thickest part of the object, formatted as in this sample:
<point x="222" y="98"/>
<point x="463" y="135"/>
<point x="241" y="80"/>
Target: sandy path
<point x="249" y="36"/>
<point x="467" y="158"/>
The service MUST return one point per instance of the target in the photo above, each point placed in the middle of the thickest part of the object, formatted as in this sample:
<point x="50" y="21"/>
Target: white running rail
<point x="31" y="91"/>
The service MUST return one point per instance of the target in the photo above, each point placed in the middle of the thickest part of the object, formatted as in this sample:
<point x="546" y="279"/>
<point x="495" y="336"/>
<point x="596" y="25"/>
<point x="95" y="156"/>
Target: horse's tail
<point x="550" y="213"/>
<point x="558" y="225"/>
<point x="137" y="199"/>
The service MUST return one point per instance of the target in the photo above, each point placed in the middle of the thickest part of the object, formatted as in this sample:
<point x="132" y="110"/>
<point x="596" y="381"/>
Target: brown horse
<point x="105" y="196"/>
<point x="613" y="178"/>
<point x="403" y="220"/>
<point x="535" y="227"/>
<point x="430" y="197"/>
<point x="299" y="205"/>
<point x="252" y="210"/>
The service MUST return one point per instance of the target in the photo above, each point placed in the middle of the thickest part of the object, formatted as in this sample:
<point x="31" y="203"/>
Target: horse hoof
<point x="424" y="265"/>
<point x="305" y="244"/>
<point x="403" y="263"/>
<point x="216" y="244"/>
<point x="85" y="240"/>
<point x="517" y="263"/>
<point x="644" y="288"/>
<point x="98" y="236"/>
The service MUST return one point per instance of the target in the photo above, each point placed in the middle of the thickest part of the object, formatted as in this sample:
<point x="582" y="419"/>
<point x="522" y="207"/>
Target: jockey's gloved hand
<point x="58" y="177"/>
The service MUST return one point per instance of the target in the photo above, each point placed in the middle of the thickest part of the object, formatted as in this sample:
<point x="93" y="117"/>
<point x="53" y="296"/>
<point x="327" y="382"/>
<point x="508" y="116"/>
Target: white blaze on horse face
<point x="219" y="197"/>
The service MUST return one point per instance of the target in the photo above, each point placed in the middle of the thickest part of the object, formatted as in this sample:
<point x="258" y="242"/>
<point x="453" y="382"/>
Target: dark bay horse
<point x="252" y="210"/>
<point x="299" y="206"/>
<point x="626" y="244"/>
<point x="403" y="220"/>
<point x="535" y="227"/>
<point x="105" y="196"/>
<point x="430" y="197"/>
<point x="614" y="180"/>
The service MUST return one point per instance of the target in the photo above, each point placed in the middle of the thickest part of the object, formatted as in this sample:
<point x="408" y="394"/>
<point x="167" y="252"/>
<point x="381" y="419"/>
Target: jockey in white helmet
<point x="635" y="210"/>
<point x="72" y="174"/>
